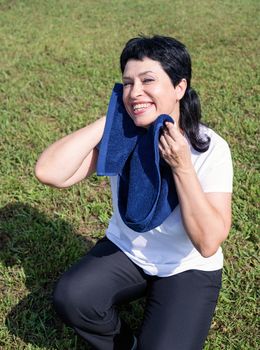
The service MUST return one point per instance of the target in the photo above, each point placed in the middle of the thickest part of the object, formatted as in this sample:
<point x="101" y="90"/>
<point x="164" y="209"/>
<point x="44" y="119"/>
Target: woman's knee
<point x="79" y="302"/>
<point x="64" y="298"/>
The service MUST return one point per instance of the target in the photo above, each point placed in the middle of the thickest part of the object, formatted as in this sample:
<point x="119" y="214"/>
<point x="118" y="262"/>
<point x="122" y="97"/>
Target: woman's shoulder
<point x="216" y="140"/>
<point x="214" y="167"/>
<point x="218" y="151"/>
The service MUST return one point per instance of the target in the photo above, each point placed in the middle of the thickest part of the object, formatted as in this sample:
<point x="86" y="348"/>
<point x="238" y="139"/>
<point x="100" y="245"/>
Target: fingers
<point x="165" y="142"/>
<point x="171" y="139"/>
<point x="173" y="130"/>
<point x="168" y="136"/>
<point x="174" y="147"/>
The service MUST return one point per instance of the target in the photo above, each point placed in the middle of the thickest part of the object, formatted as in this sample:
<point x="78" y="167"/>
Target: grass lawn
<point x="58" y="64"/>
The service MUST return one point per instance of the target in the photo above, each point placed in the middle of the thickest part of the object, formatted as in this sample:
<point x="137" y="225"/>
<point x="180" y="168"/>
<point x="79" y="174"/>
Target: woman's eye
<point x="147" y="80"/>
<point x="126" y="83"/>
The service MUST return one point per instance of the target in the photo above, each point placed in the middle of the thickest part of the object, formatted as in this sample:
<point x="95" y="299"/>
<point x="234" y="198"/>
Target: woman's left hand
<point x="174" y="148"/>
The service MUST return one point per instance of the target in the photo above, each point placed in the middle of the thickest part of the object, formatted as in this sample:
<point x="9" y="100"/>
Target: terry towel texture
<point x="146" y="190"/>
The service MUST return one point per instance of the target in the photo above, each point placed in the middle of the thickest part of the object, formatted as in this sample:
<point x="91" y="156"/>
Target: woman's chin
<point x="143" y="122"/>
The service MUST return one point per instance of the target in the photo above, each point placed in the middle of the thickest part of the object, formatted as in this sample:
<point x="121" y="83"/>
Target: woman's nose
<point x="136" y="90"/>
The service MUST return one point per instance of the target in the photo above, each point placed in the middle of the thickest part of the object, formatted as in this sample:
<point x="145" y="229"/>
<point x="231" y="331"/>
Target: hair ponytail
<point x="190" y="115"/>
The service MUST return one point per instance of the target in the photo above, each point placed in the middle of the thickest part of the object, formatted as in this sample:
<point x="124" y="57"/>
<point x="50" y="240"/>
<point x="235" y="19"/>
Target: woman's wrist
<point x="180" y="171"/>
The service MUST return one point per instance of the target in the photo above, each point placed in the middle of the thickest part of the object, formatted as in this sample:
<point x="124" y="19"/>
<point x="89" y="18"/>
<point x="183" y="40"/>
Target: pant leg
<point x="179" y="311"/>
<point x="86" y="295"/>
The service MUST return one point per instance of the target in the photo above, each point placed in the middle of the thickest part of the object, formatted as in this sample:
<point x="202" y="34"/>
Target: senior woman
<point x="176" y="261"/>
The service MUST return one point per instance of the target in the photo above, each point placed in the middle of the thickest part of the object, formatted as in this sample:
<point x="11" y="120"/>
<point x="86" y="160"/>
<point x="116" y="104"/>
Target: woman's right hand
<point x="72" y="158"/>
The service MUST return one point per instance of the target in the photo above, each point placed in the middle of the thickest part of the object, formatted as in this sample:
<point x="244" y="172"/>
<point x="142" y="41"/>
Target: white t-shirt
<point x="167" y="250"/>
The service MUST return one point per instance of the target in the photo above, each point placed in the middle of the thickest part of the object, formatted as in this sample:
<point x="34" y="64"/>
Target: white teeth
<point x="141" y="106"/>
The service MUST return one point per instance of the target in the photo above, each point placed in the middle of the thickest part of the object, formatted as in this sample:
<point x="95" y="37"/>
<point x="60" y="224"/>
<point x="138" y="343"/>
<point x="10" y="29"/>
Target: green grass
<point x="58" y="63"/>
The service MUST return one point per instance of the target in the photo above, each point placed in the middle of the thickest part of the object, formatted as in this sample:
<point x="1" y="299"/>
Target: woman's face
<point x="148" y="92"/>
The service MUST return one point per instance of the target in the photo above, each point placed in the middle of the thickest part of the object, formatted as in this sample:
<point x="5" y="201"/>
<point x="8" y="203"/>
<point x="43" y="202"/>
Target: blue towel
<point x="146" y="189"/>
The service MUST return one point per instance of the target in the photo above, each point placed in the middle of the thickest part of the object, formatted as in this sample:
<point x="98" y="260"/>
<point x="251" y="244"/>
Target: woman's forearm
<point x="206" y="216"/>
<point x="71" y="158"/>
<point x="206" y="226"/>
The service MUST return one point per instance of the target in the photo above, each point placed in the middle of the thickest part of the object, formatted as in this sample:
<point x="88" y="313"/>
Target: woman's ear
<point x="181" y="88"/>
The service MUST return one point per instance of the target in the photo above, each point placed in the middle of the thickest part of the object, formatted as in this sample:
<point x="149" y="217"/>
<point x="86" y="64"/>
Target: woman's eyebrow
<point x="142" y="73"/>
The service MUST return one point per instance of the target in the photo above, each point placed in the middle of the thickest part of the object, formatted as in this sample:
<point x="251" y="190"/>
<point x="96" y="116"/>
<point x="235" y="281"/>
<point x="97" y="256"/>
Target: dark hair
<point x="176" y="62"/>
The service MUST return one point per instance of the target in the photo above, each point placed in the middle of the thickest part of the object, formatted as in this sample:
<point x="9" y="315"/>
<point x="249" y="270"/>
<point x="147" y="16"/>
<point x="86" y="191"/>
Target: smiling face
<point x="148" y="92"/>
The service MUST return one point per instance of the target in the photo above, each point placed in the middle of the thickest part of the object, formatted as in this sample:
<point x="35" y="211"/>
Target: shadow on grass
<point x="36" y="250"/>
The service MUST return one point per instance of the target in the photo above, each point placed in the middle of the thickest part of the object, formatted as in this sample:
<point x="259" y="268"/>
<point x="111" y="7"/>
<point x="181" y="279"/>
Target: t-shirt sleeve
<point x="217" y="170"/>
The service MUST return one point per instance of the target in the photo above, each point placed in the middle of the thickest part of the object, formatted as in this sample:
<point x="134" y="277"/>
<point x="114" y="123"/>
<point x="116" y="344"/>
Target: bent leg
<point x="179" y="311"/>
<point x="86" y="295"/>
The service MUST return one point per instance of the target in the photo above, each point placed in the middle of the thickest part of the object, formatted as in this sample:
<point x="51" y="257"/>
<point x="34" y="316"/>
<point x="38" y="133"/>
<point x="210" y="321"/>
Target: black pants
<point x="177" y="315"/>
